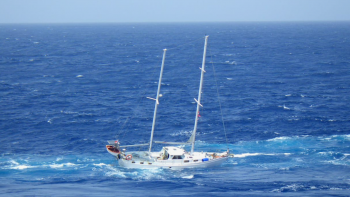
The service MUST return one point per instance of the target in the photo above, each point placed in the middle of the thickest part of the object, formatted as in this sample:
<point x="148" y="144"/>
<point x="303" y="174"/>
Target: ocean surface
<point x="284" y="89"/>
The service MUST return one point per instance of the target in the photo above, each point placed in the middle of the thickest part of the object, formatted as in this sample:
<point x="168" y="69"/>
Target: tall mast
<point x="157" y="102"/>
<point x="193" y="137"/>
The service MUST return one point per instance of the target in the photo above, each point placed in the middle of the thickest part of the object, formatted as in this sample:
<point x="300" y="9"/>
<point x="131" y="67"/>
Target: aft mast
<point x="157" y="102"/>
<point x="193" y="137"/>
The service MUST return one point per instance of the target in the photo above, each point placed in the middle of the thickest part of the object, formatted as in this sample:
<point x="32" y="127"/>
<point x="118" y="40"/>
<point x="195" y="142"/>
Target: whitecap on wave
<point x="258" y="154"/>
<point x="100" y="164"/>
<point x="21" y="167"/>
<point x="279" y="138"/>
<point x="188" y="177"/>
<point x="182" y="133"/>
<point x="62" y="165"/>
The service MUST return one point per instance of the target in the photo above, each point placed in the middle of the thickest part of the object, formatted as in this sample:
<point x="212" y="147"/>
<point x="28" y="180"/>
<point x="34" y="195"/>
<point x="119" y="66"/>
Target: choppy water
<point x="67" y="89"/>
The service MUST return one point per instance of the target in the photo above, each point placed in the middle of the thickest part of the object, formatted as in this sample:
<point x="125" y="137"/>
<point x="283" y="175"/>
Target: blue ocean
<point x="284" y="92"/>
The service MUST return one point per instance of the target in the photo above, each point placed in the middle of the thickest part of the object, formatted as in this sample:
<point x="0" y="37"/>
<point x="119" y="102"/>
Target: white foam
<point x="14" y="162"/>
<point x="21" y="167"/>
<point x="70" y="164"/>
<point x="287" y="108"/>
<point x="59" y="158"/>
<point x="247" y="155"/>
<point x="16" y="166"/>
<point x="100" y="164"/>
<point x="114" y="172"/>
<point x="285" y="169"/>
<point x="279" y="139"/>
<point x="258" y="154"/>
<point x="56" y="165"/>
<point x="182" y="133"/>
<point x="323" y="153"/>
<point x="62" y="165"/>
<point x="188" y="177"/>
<point x="79" y="76"/>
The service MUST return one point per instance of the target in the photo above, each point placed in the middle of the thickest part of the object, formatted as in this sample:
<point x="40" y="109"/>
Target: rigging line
<point x="119" y="133"/>
<point x="135" y="111"/>
<point x="127" y="121"/>
<point x="131" y="117"/>
<point x="218" y="94"/>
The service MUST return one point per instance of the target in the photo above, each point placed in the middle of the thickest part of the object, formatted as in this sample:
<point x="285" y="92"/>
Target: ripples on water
<point x="66" y="89"/>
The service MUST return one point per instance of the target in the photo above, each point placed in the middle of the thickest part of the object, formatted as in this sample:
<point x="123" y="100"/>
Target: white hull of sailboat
<point x="170" y="157"/>
<point x="171" y="165"/>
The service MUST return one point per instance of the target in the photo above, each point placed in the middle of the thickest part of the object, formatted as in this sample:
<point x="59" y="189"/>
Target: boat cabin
<point x="172" y="153"/>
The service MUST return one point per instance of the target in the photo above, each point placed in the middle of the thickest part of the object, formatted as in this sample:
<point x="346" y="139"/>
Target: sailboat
<point x="170" y="156"/>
